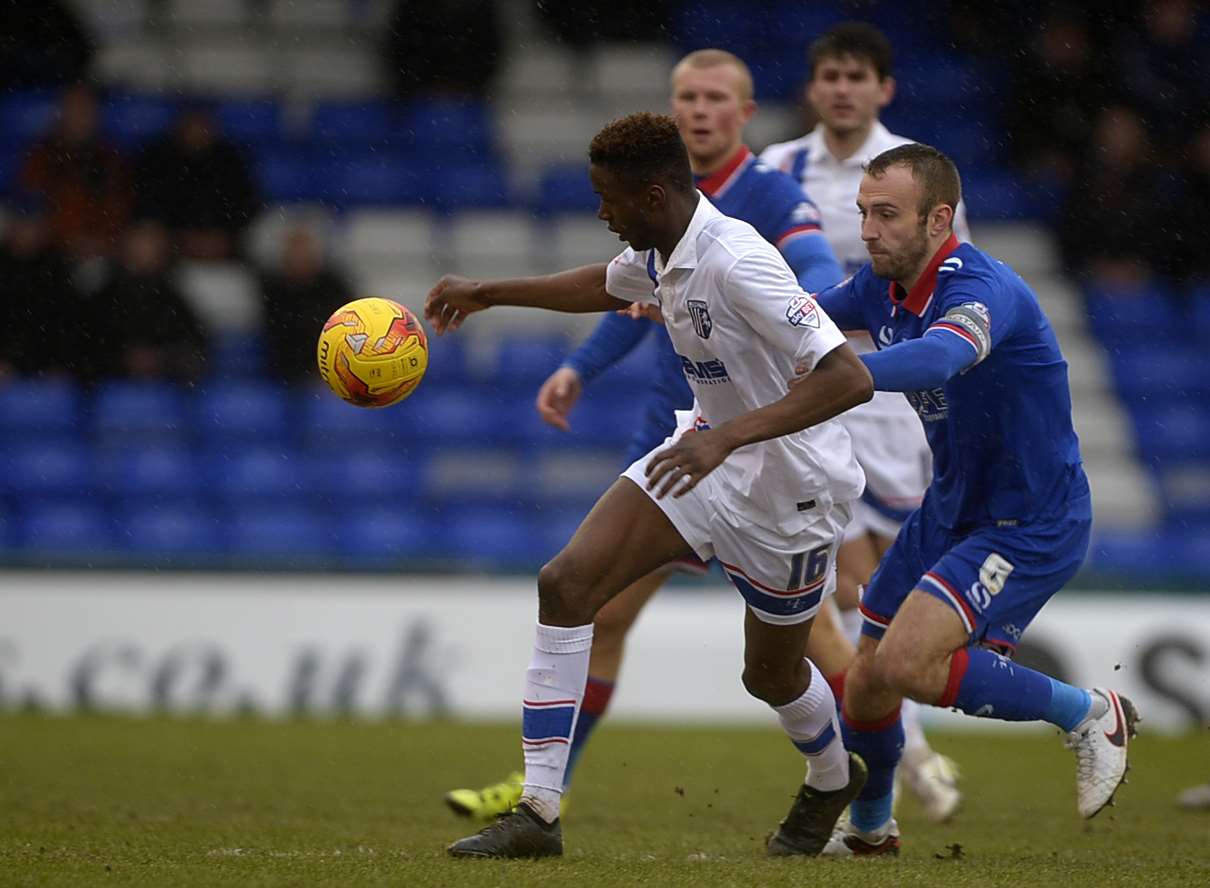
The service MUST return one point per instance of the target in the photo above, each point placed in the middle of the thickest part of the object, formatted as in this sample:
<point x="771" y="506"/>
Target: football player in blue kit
<point x="1005" y="522"/>
<point x="712" y="102"/>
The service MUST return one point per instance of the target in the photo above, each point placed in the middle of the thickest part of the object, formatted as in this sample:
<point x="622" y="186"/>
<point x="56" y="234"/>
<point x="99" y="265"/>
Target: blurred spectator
<point x="1162" y="69"/>
<point x="144" y="323"/>
<point x="444" y="48"/>
<point x="591" y="21"/>
<point x="199" y="185"/>
<point x="299" y="296"/>
<point x="84" y="180"/>
<point x="41" y="47"/>
<point x="1058" y="87"/>
<point x="40" y="332"/>
<point x="1111" y="226"/>
<point x="1190" y="228"/>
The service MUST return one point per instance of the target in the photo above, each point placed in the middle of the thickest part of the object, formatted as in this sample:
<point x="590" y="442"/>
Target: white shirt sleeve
<point x="628" y="279"/>
<point x="762" y="289"/>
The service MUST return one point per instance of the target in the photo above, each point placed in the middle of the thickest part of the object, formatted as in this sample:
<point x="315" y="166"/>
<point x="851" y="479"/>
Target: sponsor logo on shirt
<point x="885" y="336"/>
<point x="929" y="405"/>
<point x="953" y="263"/>
<point x="710" y="372"/>
<point x="801" y="312"/>
<point x="700" y="315"/>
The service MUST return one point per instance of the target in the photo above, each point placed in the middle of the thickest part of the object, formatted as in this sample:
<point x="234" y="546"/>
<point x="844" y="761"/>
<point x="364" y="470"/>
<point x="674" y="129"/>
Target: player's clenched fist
<point x="450" y="301"/>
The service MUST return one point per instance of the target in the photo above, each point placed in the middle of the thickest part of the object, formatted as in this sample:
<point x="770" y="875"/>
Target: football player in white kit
<point x="850" y="84"/>
<point x="755" y="473"/>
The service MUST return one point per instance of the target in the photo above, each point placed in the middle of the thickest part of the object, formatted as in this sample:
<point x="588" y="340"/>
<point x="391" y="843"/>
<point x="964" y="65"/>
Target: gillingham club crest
<point x="702" y="325"/>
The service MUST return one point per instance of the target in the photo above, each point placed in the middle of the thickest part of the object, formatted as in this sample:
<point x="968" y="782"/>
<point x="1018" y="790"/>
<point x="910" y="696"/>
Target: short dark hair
<point x="934" y="171"/>
<point x="644" y="147"/>
<point x="857" y="39"/>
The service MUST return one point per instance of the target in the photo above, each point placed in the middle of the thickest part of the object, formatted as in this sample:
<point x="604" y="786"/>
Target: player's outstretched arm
<point x="838" y="383"/>
<point x="577" y="290"/>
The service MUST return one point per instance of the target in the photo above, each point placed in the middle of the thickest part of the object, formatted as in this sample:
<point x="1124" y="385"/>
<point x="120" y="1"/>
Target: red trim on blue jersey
<point x="957" y="329"/>
<point x="785" y="593"/>
<point x="873" y="617"/>
<point x="917" y="301"/>
<point x="720" y="179"/>
<point x="812" y="228"/>
<point x="959" y="661"/>
<point x="957" y="601"/>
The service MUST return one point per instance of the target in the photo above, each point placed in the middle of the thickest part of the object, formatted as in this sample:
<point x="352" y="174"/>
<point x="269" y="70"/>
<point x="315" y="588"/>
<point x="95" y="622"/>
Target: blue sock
<point x="880" y="744"/>
<point x="988" y="685"/>
<point x="597" y="694"/>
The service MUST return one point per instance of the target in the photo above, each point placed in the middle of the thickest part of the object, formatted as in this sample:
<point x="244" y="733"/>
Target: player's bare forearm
<point x="576" y="290"/>
<point x="839" y="382"/>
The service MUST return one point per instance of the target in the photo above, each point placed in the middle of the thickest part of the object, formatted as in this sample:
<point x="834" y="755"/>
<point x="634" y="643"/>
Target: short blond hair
<point x="712" y="58"/>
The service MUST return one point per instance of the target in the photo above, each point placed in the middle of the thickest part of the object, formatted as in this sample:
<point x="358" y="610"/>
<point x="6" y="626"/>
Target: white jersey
<point x="740" y="323"/>
<point x="895" y="476"/>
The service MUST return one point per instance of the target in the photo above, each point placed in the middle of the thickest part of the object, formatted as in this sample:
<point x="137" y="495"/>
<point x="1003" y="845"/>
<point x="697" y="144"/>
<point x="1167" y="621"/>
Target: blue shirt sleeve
<point x="840" y="303"/>
<point x="924" y="363"/>
<point x="613" y="339"/>
<point x="813" y="262"/>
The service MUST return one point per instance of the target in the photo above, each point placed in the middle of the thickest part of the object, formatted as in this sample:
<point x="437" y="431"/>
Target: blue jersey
<point x="998" y="420"/>
<point x="772" y="203"/>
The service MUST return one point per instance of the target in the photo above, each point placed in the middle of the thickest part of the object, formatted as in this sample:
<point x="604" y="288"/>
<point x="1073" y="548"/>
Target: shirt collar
<point x="917" y="301"/>
<point x="873" y="145"/>
<point x="718" y="181"/>
<point x="684" y="254"/>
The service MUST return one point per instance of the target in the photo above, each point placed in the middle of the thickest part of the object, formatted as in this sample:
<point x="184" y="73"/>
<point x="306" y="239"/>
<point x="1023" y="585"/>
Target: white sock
<point x="850" y="624"/>
<point x="554" y="689"/>
<point x="914" y="743"/>
<point x="810" y="721"/>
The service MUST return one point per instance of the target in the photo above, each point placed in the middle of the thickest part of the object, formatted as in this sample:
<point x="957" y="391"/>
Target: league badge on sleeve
<point x="702" y="325"/>
<point x="801" y="312"/>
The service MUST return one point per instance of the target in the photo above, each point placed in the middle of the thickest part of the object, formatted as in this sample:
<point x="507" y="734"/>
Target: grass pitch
<point x="110" y="801"/>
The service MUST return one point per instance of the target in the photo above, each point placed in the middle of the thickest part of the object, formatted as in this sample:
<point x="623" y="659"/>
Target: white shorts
<point x="889" y="443"/>
<point x="784" y="579"/>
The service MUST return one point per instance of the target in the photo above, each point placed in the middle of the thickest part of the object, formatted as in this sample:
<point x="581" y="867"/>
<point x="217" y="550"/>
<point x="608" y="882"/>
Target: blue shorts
<point x="995" y="578"/>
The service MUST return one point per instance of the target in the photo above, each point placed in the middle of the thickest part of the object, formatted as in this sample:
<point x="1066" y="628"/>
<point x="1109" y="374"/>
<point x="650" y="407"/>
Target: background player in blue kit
<point x="1005" y="522"/>
<point x="712" y="102"/>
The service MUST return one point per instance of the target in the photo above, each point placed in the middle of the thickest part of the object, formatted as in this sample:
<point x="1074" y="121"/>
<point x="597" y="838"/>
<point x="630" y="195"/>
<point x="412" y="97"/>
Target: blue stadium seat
<point x="130" y="120"/>
<point x="141" y="411"/>
<point x="1176" y="432"/>
<point x="1199" y="301"/>
<point x="296" y="533"/>
<point x="555" y="526"/>
<point x="328" y="423"/>
<point x="1126" y="316"/>
<point x="40" y="408"/>
<point x="64" y="526"/>
<point x="468" y="185"/>
<point x="1172" y="373"/>
<point x="259" y="475"/>
<point x="441" y="415"/>
<point x="289" y="175"/>
<point x="358" y="123"/>
<point x="375" y="178"/>
<point x="565" y="188"/>
<point x="50" y="468"/>
<point x="490" y="536"/>
<point x="26" y="116"/>
<point x="365" y="475"/>
<point x="1000" y="196"/>
<point x="252" y="122"/>
<point x="150" y="471"/>
<point x="244" y="411"/>
<point x="178" y="529"/>
<point x="387" y="533"/>
<point x="437" y="125"/>
<point x="471" y="473"/>
<point x="237" y="356"/>
<point x="524" y="362"/>
<point x="605" y="420"/>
